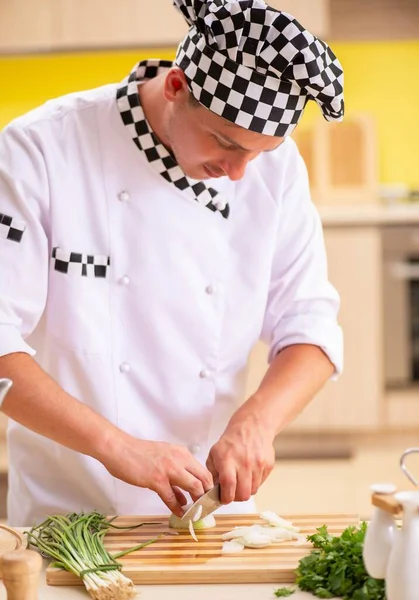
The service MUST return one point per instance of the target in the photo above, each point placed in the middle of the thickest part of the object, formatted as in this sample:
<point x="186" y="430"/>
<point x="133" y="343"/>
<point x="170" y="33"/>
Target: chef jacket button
<point x="125" y="280"/>
<point x="210" y="289"/>
<point x="205" y="374"/>
<point x="194" y="449"/>
<point x="124" y="367"/>
<point x="123" y="196"/>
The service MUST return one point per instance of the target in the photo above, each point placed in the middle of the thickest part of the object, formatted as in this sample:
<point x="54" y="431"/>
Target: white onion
<point x="198" y="513"/>
<point x="191" y="530"/>
<point x="205" y="523"/>
<point x="255" y="539"/>
<point x="276" y="529"/>
<point x="238" y="532"/>
<point x="275" y="521"/>
<point x="232" y="547"/>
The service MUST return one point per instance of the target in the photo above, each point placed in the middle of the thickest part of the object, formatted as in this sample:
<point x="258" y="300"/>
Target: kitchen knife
<point x="209" y="502"/>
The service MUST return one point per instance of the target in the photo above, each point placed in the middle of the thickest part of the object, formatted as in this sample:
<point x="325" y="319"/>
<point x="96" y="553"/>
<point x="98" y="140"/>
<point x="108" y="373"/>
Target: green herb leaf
<point x="335" y="567"/>
<point x="284" y="592"/>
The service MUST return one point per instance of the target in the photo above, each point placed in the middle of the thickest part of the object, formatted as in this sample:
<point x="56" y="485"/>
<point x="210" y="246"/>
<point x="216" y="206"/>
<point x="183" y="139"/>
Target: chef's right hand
<point x="164" y="468"/>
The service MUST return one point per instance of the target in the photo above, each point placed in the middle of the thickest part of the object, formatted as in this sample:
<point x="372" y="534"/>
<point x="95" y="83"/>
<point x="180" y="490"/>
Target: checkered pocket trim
<point x="11" y="229"/>
<point x="86" y="265"/>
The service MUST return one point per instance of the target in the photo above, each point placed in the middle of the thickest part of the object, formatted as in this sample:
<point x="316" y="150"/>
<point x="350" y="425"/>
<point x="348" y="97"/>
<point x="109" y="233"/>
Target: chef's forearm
<point x="292" y="380"/>
<point x="37" y="402"/>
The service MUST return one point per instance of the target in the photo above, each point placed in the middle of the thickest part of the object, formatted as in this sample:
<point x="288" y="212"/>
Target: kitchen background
<point x="364" y="176"/>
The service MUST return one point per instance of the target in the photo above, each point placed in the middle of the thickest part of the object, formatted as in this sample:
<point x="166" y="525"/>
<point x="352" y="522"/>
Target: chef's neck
<point x="154" y="105"/>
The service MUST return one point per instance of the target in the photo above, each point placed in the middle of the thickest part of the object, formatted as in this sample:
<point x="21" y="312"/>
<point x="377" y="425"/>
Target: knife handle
<point x="20" y="573"/>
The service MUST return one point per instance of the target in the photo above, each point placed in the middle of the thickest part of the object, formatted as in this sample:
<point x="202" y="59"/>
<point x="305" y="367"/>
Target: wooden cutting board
<point x="178" y="559"/>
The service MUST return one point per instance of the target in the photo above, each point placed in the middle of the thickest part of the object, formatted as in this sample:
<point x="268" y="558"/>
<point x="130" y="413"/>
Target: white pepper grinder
<point x="20" y="571"/>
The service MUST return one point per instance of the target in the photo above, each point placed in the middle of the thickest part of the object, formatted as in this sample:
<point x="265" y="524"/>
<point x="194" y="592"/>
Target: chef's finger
<point x="168" y="495"/>
<point x="202" y="473"/>
<point x="228" y="482"/>
<point x="244" y="485"/>
<point x="180" y="496"/>
<point x="211" y="468"/>
<point x="266" y="472"/>
<point x="188" y="483"/>
<point x="257" y="480"/>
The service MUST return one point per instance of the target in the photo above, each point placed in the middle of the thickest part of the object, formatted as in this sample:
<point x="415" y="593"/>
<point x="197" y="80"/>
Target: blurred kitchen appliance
<point x="401" y="305"/>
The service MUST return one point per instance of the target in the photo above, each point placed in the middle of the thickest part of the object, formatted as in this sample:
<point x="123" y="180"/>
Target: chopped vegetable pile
<point x="274" y="530"/>
<point x="335" y="567"/>
<point x="75" y="541"/>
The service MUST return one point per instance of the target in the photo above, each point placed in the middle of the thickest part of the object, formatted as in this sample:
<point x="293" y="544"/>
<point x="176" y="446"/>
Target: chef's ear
<point x="175" y="85"/>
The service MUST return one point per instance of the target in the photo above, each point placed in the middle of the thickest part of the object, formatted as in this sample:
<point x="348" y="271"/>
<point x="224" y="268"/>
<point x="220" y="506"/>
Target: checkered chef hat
<point x="257" y="66"/>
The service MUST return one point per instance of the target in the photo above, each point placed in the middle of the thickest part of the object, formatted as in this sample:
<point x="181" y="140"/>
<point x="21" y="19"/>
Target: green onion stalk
<point x="76" y="543"/>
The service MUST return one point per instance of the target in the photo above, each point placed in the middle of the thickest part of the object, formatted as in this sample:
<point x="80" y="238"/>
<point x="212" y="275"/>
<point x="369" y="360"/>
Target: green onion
<point x="75" y="542"/>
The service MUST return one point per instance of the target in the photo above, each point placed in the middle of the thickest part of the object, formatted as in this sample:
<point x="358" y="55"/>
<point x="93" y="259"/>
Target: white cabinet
<point x="355" y="401"/>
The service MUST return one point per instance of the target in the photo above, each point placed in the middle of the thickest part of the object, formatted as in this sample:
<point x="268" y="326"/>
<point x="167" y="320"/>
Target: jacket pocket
<point x="78" y="306"/>
<point x="75" y="263"/>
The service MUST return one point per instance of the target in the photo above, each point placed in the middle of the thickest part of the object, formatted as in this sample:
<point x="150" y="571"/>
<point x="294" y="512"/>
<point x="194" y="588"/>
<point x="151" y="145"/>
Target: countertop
<point x="261" y="591"/>
<point x="369" y="215"/>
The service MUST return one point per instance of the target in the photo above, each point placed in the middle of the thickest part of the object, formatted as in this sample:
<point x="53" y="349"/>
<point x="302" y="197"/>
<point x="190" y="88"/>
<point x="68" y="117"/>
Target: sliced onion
<point x="205" y="523"/>
<point x="191" y="530"/>
<point x="232" y="547"/>
<point x="276" y="529"/>
<point x="239" y="532"/>
<point x="197" y="514"/>
<point x="301" y="539"/>
<point x="255" y="539"/>
<point x="276" y="521"/>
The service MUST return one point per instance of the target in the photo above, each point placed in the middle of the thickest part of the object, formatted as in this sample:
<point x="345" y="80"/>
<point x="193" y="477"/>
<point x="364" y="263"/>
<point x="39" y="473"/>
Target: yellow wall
<point x="380" y="78"/>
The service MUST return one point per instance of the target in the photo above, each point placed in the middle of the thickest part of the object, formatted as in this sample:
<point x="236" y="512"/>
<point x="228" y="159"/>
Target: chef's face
<point x="204" y="144"/>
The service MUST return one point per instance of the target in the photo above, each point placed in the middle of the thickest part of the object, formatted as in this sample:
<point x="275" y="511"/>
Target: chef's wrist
<point x="254" y="416"/>
<point x="110" y="444"/>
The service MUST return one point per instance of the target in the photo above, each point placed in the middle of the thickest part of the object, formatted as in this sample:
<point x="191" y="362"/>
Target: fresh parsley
<point x="284" y="592"/>
<point x="335" y="567"/>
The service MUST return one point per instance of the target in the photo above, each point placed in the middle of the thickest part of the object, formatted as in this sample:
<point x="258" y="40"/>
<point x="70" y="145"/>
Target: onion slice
<point x="276" y="521"/>
<point x="191" y="530"/>
<point x="232" y="547"/>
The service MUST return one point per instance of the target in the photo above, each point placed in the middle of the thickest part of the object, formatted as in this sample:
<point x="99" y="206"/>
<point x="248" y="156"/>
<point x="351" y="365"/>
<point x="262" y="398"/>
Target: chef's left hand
<point x="242" y="459"/>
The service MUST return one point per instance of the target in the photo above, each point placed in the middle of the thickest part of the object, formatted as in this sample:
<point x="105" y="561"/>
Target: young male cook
<point x="150" y="233"/>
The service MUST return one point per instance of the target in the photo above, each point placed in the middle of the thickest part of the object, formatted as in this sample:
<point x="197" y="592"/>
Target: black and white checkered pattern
<point x="256" y="66"/>
<point x="157" y="154"/>
<point x="75" y="263"/>
<point x="11" y="228"/>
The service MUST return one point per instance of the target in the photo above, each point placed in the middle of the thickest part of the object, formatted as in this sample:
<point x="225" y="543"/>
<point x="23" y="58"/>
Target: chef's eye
<point x="223" y="144"/>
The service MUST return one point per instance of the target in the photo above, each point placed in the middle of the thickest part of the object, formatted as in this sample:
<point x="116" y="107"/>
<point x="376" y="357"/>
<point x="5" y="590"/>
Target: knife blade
<point x="209" y="502"/>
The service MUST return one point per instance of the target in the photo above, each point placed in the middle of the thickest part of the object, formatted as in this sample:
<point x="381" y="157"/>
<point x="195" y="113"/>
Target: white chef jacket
<point x="158" y="346"/>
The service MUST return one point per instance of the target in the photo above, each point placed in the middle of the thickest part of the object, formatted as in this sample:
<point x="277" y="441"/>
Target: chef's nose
<point x="234" y="167"/>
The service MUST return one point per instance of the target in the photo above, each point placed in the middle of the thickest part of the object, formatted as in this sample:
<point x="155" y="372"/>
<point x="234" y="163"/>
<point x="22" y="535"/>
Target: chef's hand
<point x="242" y="459"/>
<point x="167" y="469"/>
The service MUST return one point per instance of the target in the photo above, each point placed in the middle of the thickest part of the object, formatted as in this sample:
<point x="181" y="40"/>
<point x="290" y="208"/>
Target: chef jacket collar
<point x="157" y="154"/>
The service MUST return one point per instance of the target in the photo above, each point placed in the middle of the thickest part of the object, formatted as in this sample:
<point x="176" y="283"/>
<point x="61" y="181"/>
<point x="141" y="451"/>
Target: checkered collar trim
<point x="157" y="154"/>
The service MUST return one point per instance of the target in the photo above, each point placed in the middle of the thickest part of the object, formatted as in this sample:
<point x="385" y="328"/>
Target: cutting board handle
<point x="20" y="573"/>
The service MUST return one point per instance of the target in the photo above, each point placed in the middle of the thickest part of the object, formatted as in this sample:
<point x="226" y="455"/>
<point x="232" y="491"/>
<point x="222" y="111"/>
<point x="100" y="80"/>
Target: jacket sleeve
<point x="24" y="217"/>
<point x="302" y="305"/>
